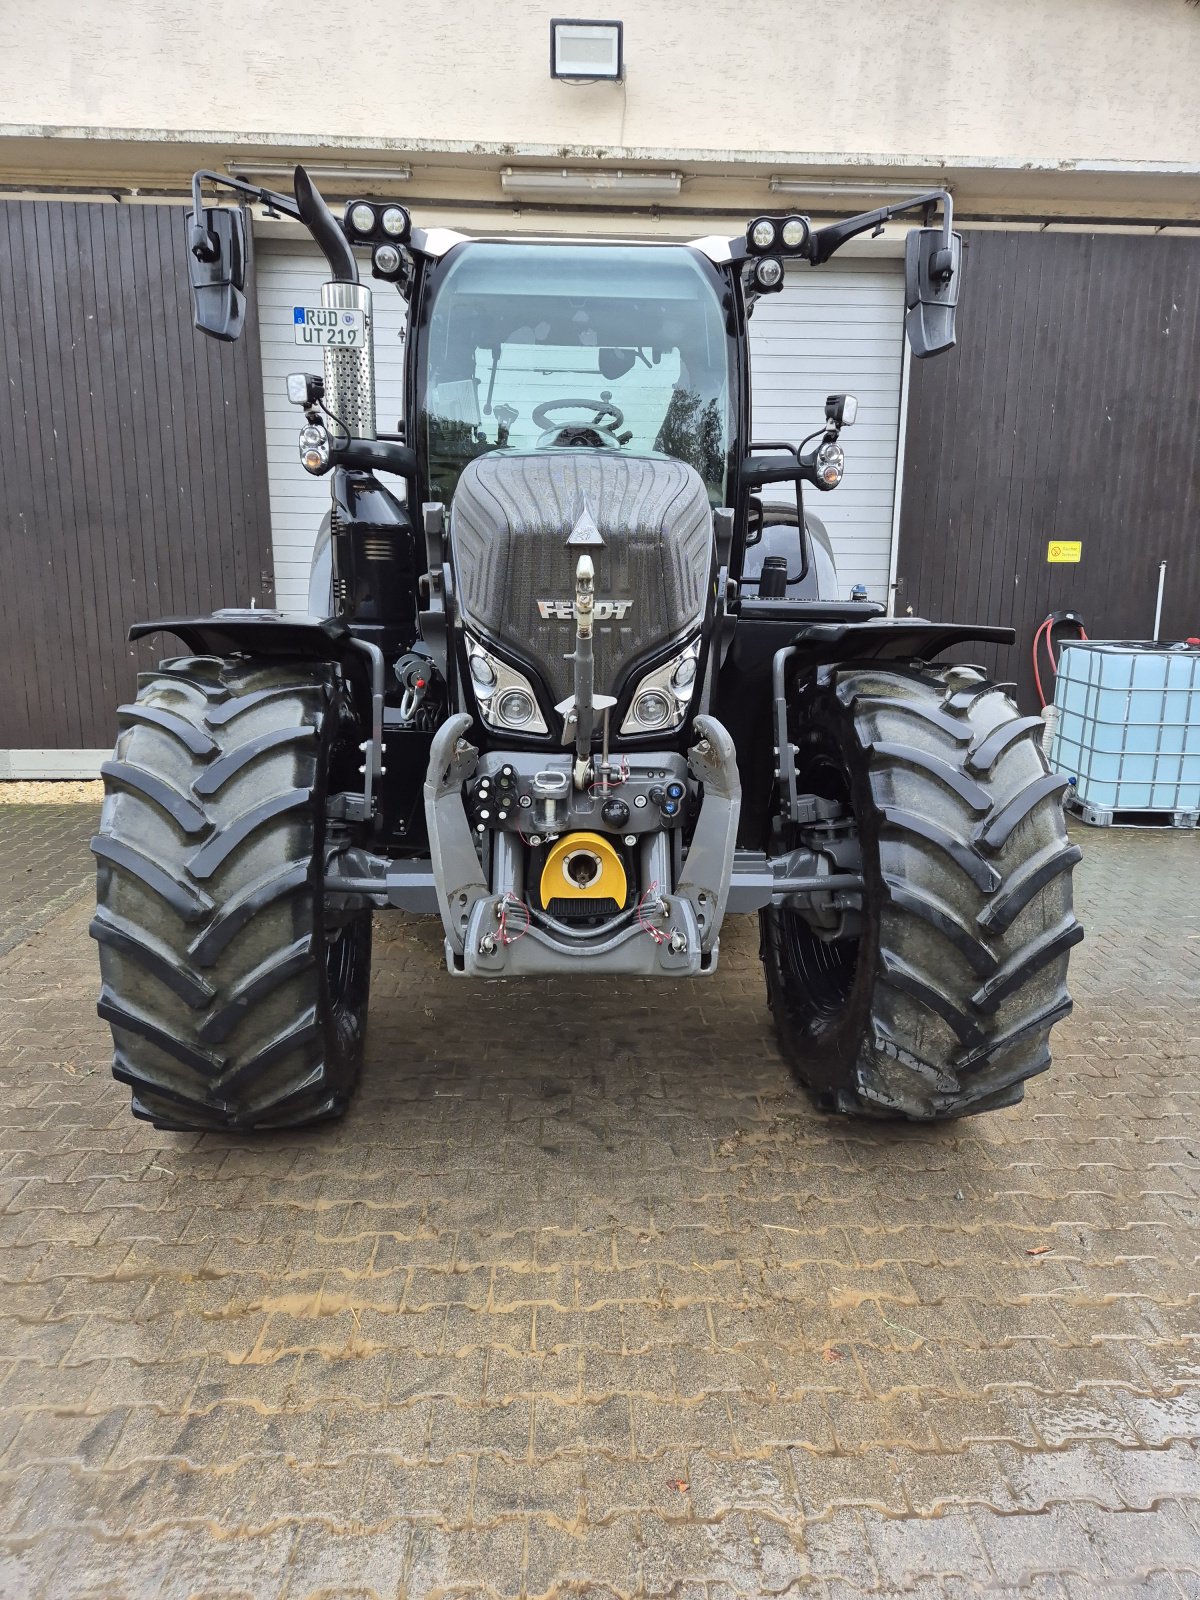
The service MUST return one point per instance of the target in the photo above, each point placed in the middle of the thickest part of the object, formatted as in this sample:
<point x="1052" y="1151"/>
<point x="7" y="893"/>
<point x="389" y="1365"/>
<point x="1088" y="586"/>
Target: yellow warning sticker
<point x="1064" y="550"/>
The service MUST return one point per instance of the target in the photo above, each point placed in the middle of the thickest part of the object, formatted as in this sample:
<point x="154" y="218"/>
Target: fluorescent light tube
<point x="567" y="180"/>
<point x="834" y="187"/>
<point x="331" y="170"/>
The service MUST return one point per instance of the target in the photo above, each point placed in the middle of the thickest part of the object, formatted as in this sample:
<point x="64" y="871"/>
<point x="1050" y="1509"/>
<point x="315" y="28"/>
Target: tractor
<point x="576" y="681"/>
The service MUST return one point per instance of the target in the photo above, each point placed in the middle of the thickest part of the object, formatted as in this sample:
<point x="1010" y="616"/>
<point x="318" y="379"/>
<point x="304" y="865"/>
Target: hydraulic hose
<point x="1045" y="630"/>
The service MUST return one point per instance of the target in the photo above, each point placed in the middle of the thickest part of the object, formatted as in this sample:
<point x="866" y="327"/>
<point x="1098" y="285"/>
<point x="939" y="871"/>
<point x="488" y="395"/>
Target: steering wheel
<point x="602" y="407"/>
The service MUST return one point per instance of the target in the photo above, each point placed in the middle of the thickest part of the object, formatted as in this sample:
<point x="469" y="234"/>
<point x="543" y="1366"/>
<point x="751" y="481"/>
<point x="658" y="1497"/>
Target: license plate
<point x="326" y="325"/>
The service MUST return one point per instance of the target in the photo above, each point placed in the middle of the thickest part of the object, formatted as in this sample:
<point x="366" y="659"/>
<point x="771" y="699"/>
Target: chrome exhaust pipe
<point x="350" y="374"/>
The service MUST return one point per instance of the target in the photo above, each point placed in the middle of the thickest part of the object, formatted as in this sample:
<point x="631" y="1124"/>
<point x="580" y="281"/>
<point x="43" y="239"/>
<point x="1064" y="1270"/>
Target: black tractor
<point x="577" y="683"/>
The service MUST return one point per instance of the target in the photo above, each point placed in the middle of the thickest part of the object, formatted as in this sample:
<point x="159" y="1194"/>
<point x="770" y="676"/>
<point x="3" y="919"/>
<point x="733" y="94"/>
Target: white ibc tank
<point x="1128" y="725"/>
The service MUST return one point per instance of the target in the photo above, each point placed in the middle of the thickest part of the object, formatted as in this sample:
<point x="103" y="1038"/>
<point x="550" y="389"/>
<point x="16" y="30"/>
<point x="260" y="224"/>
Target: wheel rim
<point x="823" y="969"/>
<point x="346" y="956"/>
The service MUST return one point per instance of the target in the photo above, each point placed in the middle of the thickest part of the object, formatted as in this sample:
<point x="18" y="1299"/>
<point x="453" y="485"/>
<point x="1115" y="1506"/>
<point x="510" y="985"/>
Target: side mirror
<point x="217" y="268"/>
<point x="841" y="410"/>
<point x="931" y="278"/>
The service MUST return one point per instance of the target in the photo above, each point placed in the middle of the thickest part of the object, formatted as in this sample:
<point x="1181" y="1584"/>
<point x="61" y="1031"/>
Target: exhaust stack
<point x="350" y="374"/>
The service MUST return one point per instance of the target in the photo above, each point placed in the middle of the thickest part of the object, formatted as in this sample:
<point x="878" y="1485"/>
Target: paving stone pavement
<point x="582" y="1299"/>
<point x="44" y="863"/>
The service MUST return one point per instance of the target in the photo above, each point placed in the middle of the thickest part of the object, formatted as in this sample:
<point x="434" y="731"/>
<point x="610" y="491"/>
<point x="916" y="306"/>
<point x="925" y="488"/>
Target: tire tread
<point x="971" y="875"/>
<point x="211" y="954"/>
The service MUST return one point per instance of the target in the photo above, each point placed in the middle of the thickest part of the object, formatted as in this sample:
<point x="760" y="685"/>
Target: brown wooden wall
<point x="132" y="461"/>
<point x="1070" y="409"/>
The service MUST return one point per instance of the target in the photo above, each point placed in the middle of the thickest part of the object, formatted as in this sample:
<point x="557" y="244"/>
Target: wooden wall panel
<point x="132" y="461"/>
<point x="1070" y="409"/>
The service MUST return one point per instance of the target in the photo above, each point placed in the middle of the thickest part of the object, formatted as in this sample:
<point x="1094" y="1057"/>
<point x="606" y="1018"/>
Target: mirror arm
<point x="787" y="467"/>
<point x="769" y="469"/>
<point x="204" y="246"/>
<point x="308" y="208"/>
<point x="374" y="455"/>
<point x="825" y="241"/>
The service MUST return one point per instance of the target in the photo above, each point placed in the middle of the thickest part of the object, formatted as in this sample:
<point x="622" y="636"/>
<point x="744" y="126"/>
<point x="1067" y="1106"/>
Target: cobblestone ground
<point x="583" y="1299"/>
<point x="44" y="862"/>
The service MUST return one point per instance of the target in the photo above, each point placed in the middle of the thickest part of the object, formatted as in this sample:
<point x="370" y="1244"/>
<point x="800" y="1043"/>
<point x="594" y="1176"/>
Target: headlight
<point x="483" y="673"/>
<point x="651" y="709"/>
<point x="684" y="674"/>
<point x="768" y="274"/>
<point x="386" y="259"/>
<point x="831" y="464"/>
<point x="314" y="449"/>
<point x="362" y="218"/>
<point x="662" y="697"/>
<point x="515" y="708"/>
<point x="762" y="234"/>
<point x="795" y="232"/>
<point x="505" y="696"/>
<point x="394" y="222"/>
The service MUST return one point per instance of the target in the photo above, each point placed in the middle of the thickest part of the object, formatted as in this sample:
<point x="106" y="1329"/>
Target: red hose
<point x="1046" y="627"/>
<point x="1037" y="677"/>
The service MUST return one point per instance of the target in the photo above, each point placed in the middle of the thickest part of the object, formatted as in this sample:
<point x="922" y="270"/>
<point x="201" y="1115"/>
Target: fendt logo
<point x="602" y="610"/>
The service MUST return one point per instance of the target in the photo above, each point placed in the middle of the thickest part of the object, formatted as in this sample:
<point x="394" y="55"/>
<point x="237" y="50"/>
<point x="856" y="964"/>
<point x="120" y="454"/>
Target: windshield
<point x="616" y="347"/>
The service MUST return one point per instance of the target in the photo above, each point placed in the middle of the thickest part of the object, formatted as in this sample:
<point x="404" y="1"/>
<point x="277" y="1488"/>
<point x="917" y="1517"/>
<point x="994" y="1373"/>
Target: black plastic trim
<point x="265" y="633"/>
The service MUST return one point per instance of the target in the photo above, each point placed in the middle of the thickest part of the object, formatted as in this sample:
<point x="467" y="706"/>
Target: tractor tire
<point x="235" y="1002"/>
<point x="942" y="1005"/>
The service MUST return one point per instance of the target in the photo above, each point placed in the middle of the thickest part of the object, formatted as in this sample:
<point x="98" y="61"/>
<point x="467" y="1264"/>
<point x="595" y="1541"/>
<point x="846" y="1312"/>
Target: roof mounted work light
<point x="366" y="222"/>
<point x="788" y="235"/>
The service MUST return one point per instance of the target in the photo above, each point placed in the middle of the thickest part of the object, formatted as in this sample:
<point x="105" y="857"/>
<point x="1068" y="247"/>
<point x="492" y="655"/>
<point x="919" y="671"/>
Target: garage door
<point x="291" y="275"/>
<point x="837" y="329"/>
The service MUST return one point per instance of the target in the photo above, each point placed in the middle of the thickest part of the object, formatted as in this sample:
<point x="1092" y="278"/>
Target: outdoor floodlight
<point x="586" y="50"/>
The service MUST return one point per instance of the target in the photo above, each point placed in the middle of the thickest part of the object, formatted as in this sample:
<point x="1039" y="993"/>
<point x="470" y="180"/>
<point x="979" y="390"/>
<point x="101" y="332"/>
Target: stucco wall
<point x="1026" y="79"/>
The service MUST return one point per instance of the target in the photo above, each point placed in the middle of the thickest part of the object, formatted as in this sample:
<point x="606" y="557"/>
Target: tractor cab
<point x="529" y="346"/>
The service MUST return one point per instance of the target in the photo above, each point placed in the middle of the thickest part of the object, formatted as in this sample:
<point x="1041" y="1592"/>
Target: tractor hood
<point x="519" y="522"/>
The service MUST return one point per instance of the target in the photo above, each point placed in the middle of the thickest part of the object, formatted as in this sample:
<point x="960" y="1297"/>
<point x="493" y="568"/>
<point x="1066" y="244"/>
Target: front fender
<point x="852" y="634"/>
<point x="249" y="631"/>
<point x="892" y="638"/>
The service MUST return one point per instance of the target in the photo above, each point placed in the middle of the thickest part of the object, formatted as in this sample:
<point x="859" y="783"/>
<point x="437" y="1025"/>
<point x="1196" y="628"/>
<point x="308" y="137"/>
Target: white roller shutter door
<point x="836" y="329"/>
